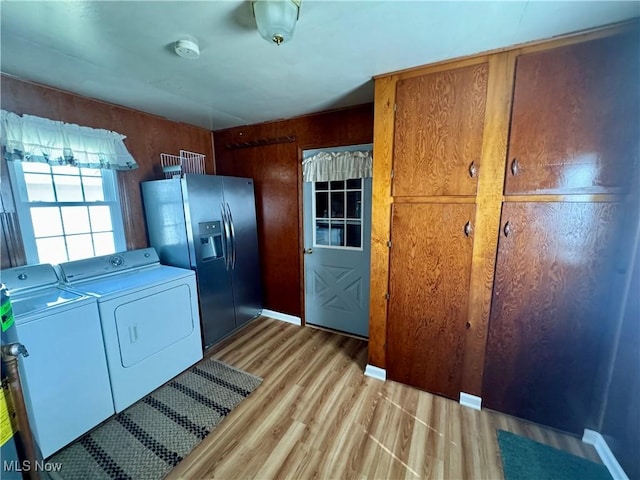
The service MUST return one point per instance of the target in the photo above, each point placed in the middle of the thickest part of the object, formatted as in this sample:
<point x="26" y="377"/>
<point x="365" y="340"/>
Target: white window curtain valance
<point x="33" y="139"/>
<point x="332" y="166"/>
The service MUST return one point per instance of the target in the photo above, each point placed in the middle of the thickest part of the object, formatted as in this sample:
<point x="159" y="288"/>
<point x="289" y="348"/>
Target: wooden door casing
<point x="439" y="125"/>
<point x="575" y="118"/>
<point x="429" y="290"/>
<point x="549" y="314"/>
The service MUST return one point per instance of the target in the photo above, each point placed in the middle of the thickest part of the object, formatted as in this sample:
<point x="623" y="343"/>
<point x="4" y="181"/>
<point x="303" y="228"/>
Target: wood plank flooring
<point x="317" y="416"/>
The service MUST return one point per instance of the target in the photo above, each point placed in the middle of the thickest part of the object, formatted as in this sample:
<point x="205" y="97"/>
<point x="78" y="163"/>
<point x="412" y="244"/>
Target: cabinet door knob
<point x="308" y="251"/>
<point x="467" y="228"/>
<point x="515" y="168"/>
<point x="473" y="170"/>
<point x="507" y="229"/>
<point x="468" y="325"/>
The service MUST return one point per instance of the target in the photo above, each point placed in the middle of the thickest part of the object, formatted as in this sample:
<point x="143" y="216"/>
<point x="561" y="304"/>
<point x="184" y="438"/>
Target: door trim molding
<point x="375" y="372"/>
<point x="606" y="455"/>
<point x="285" y="317"/>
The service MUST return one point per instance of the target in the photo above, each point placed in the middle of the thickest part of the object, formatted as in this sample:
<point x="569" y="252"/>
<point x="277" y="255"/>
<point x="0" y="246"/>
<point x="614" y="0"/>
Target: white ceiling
<point x="122" y="52"/>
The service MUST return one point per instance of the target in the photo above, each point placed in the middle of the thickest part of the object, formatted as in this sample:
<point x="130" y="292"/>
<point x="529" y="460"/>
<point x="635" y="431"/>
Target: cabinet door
<point x="429" y="287"/>
<point x="438" y="132"/>
<point x="549" y="311"/>
<point x="574" y="125"/>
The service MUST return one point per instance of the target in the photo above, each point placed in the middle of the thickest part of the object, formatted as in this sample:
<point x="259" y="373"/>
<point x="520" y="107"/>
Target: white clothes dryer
<point x="149" y="317"/>
<point x="65" y="378"/>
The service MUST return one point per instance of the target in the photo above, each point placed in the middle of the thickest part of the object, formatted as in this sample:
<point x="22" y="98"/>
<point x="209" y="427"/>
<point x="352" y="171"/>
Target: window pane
<point x="39" y="187"/>
<point x="79" y="246"/>
<point x="337" y="204"/>
<point x="337" y="234"/>
<point x="65" y="169"/>
<point x="100" y="218"/>
<point x="353" y="204"/>
<point x="68" y="188"/>
<point x="35" y="167"/>
<point x="91" y="172"/>
<point x="338" y="185"/>
<point x="322" y="205"/>
<point x="353" y="235"/>
<point x="75" y="220"/>
<point x="46" y="221"/>
<point x="322" y="185"/>
<point x="322" y="233"/>
<point x="103" y="243"/>
<point x="354" y="183"/>
<point x="51" y="250"/>
<point x="93" y="189"/>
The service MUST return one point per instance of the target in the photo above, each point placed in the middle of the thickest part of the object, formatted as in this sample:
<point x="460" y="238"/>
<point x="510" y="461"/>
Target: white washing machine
<point x="149" y="316"/>
<point x="65" y="376"/>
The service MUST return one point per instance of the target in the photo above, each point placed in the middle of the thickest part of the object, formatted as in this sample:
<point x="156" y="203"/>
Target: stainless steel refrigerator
<point x="208" y="223"/>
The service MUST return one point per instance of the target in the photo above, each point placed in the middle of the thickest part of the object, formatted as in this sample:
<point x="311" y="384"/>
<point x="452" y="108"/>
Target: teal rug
<point x="524" y="459"/>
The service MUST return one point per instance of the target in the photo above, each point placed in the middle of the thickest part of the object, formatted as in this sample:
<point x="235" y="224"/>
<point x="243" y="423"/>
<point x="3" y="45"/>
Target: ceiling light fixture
<point x="187" y="49"/>
<point x="276" y="19"/>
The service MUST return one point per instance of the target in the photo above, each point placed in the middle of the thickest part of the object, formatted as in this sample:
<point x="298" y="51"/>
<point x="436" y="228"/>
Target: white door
<point x="337" y="234"/>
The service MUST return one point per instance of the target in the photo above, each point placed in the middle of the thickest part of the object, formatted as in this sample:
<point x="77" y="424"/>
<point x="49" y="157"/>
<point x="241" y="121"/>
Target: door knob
<point x="308" y="251"/>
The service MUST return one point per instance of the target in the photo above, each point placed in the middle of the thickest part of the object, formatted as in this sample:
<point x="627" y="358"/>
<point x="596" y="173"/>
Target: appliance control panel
<point x="108" y="264"/>
<point x="28" y="277"/>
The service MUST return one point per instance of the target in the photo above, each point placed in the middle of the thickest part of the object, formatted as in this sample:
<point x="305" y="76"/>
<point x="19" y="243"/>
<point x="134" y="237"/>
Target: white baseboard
<point x="285" y="317"/>
<point x="606" y="455"/>
<point x="375" y="372"/>
<point x="471" y="401"/>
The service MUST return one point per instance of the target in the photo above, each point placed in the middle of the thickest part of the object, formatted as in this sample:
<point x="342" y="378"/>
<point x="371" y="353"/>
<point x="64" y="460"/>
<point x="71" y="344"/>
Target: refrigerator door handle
<point x="233" y="238"/>
<point x="227" y="253"/>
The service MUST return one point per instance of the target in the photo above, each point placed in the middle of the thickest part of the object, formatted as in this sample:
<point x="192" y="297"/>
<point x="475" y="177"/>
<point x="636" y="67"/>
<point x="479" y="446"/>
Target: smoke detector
<point x="187" y="49"/>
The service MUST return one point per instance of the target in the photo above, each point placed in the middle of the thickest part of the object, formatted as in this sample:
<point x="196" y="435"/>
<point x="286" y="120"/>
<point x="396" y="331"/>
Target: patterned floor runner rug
<point x="152" y="436"/>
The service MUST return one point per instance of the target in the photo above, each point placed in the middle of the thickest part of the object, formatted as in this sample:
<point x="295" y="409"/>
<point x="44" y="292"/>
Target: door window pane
<point x="337" y="234"/>
<point x="76" y="220"/>
<point x="354" y="235"/>
<point x="322" y="233"/>
<point x="354" y="183"/>
<point x="337" y="185"/>
<point x="322" y="205"/>
<point x="322" y="185"/>
<point x="353" y="204"/>
<point x="46" y="221"/>
<point x="337" y="204"/>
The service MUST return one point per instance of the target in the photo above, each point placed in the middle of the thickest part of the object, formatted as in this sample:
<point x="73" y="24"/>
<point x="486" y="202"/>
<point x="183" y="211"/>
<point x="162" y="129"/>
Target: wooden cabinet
<point x="574" y="126"/>
<point x="438" y="136"/>
<point x="429" y="290"/>
<point x="521" y="316"/>
<point x="549" y="313"/>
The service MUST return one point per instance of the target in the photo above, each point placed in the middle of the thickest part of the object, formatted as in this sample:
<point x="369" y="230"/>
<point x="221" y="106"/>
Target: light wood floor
<point x="317" y="416"/>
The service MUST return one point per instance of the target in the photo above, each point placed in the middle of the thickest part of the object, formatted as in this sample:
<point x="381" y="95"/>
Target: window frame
<point x="23" y="208"/>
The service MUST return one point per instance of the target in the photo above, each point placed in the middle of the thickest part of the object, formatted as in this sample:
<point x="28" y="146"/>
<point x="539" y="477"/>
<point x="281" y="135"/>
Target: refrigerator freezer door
<point x="245" y="259"/>
<point x="203" y="199"/>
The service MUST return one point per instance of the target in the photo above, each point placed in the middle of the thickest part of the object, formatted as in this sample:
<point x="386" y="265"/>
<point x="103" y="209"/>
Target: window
<point x="66" y="212"/>
<point x="338" y="214"/>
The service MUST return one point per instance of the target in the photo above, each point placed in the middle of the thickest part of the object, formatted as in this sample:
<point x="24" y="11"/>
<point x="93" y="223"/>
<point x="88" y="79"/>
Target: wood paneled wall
<point x="147" y="137"/>
<point x="271" y="153"/>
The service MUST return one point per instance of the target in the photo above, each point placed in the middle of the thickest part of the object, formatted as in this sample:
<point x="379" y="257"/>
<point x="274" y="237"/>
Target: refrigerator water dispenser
<point x="210" y="240"/>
